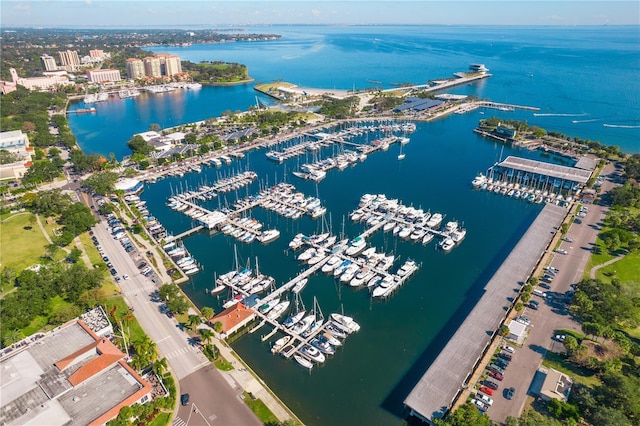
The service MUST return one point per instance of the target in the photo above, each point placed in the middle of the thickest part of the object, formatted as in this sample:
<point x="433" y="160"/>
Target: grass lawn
<point x="133" y="328"/>
<point x="90" y="248"/>
<point x="21" y="227"/>
<point x="37" y="324"/>
<point x="222" y="364"/>
<point x="161" y="419"/>
<point x="626" y="270"/>
<point x="579" y="374"/>
<point x="262" y="411"/>
<point x="597" y="259"/>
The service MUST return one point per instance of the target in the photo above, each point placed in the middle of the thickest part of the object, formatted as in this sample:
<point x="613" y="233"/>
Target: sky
<point x="194" y="13"/>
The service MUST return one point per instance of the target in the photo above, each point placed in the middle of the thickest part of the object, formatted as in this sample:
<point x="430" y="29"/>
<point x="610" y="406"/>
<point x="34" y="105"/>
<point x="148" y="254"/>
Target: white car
<point x="125" y="277"/>
<point x="485" y="399"/>
<point x="509" y="349"/>
<point x="481" y="405"/>
<point x="561" y="251"/>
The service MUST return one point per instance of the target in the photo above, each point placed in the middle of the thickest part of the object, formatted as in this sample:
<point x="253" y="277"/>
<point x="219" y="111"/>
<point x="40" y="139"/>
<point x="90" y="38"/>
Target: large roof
<point x="445" y="378"/>
<point x="548" y="169"/>
<point x="68" y="376"/>
<point x="233" y="316"/>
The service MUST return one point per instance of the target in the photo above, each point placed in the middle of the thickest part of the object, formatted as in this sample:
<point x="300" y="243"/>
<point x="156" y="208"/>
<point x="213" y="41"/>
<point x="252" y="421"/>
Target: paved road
<point x="552" y="314"/>
<point x="215" y="396"/>
<point x="218" y="408"/>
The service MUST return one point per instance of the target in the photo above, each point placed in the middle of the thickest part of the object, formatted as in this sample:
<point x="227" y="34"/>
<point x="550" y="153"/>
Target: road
<point x="552" y="314"/>
<point x="216" y="398"/>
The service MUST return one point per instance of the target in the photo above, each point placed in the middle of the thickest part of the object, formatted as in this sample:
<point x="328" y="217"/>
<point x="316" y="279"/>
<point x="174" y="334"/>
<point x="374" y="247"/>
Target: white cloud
<point x="22" y="7"/>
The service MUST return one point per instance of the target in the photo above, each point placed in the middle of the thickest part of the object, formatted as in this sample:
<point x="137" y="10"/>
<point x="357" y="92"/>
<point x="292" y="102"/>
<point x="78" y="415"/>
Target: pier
<point x="185" y="234"/>
<point x="449" y="373"/>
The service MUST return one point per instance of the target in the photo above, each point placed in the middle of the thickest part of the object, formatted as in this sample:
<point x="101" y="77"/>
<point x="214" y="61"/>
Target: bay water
<point x="586" y="75"/>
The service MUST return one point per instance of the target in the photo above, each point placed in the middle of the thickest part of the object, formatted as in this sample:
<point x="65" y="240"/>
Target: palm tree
<point x="206" y="335"/>
<point x="160" y="366"/>
<point x="194" y="320"/>
<point x="207" y="313"/>
<point x="12" y="336"/>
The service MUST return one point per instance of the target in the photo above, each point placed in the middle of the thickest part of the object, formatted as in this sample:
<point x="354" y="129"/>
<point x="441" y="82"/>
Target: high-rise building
<point x="96" y="53"/>
<point x="48" y="62"/>
<point x="169" y="64"/>
<point x="135" y="68"/>
<point x="69" y="58"/>
<point x="101" y="76"/>
<point x="152" y="67"/>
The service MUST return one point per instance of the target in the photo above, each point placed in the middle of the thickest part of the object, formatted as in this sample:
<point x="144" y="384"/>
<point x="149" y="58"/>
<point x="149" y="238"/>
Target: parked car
<point x="533" y="304"/>
<point x="487" y="390"/>
<point x="113" y="272"/>
<point x="142" y="265"/>
<point x="559" y="337"/>
<point x="524" y="320"/>
<point x="545" y="285"/>
<point x="490" y="384"/>
<point x="509" y="349"/>
<point x="567" y="239"/>
<point x="496" y="375"/>
<point x="505" y="356"/>
<point x="562" y="251"/>
<point x="509" y="393"/>
<point x="481" y="405"/>
<point x="485" y="399"/>
<point x="502" y="363"/>
<point x="496" y="368"/>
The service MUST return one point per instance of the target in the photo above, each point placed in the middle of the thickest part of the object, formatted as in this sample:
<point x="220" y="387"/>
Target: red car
<point x="486" y="390"/>
<point x="496" y="375"/>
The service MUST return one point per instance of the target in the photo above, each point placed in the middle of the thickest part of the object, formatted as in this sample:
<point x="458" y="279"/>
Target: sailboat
<point x="401" y="155"/>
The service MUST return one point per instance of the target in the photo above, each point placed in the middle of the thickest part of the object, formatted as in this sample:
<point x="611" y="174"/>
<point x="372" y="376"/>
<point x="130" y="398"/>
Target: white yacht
<point x="313" y="353"/>
<point x="356" y="246"/>
<point x="278" y="310"/>
<point x="297" y="288"/>
<point x="280" y="343"/>
<point x="304" y="362"/>
<point x="293" y="319"/>
<point x="447" y="244"/>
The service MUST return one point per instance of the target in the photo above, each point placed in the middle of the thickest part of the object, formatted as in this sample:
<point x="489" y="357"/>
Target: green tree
<point x="138" y="145"/>
<point x="207" y="313"/>
<point x="12" y="336"/>
<point x="465" y="415"/>
<point x="504" y="330"/>
<point x="160" y="366"/>
<point x="194" y="321"/>
<point x="77" y="218"/>
<point x="101" y="183"/>
<point x="206" y="335"/>
<point x="217" y="326"/>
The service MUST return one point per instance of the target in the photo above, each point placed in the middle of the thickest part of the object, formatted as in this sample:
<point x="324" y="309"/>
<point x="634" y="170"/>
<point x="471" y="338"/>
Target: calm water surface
<point x="581" y="78"/>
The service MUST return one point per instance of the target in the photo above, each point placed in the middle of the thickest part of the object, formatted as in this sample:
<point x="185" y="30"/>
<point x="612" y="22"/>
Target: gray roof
<point x="548" y="169"/>
<point x="586" y="163"/>
<point x="435" y="392"/>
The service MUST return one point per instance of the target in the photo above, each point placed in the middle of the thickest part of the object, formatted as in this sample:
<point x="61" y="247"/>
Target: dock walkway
<point x="447" y="376"/>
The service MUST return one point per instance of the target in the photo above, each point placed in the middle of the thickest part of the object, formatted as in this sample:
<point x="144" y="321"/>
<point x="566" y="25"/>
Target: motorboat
<point x="333" y="340"/>
<point x="279" y="344"/>
<point x="435" y="220"/>
<point x="318" y="257"/>
<point x="266" y="307"/>
<point x="331" y="264"/>
<point x="323" y="346"/>
<point x="451" y="226"/>
<point x="341" y="268"/>
<point x="407" y="269"/>
<point x="278" y="310"/>
<point x="356" y="246"/>
<point x="345" y="321"/>
<point x="447" y="244"/>
<point x="304" y="362"/>
<point x="383" y="286"/>
<point x="458" y="235"/>
<point x="427" y="238"/>
<point x="307" y="254"/>
<point x="336" y="331"/>
<point x="268" y="236"/>
<point x="313" y="353"/>
<point x="297" y="288"/>
<point x="349" y="273"/>
<point x="314" y="327"/>
<point x="364" y="275"/>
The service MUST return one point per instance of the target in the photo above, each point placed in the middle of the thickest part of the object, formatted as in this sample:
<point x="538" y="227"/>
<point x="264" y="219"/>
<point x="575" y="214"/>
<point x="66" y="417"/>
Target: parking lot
<point x="551" y="314"/>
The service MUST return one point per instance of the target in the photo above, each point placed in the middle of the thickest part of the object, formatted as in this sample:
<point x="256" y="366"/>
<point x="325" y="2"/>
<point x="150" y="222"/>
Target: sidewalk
<point x="247" y="380"/>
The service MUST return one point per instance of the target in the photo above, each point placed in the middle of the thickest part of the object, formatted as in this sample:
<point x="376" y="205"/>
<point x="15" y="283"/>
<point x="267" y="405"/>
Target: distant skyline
<point x="163" y="13"/>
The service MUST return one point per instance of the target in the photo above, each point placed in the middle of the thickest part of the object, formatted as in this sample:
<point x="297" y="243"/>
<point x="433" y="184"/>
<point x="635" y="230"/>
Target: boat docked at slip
<point x="266" y="307"/>
<point x="345" y="322"/>
<point x="279" y="344"/>
<point x="479" y="180"/>
<point x="278" y="310"/>
<point x="435" y="220"/>
<point x="447" y="244"/>
<point x="297" y="288"/>
<point x="302" y="361"/>
<point x="313" y="353"/>
<point x="383" y="286"/>
<point x="331" y="264"/>
<point x="294" y="319"/>
<point x="302" y="325"/>
<point x="458" y="235"/>
<point x="323" y="346"/>
<point x="356" y="246"/>
<point x="336" y="331"/>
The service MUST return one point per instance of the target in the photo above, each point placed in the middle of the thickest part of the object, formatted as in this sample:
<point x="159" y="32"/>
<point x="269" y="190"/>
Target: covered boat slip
<point x="533" y="167"/>
<point x="436" y="391"/>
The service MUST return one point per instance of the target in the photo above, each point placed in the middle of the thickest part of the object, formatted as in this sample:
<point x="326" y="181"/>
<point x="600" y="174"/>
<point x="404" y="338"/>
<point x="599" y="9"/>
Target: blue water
<point x="577" y="73"/>
<point x="584" y="77"/>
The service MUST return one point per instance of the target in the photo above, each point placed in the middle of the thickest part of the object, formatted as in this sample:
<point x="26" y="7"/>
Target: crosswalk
<point x="179" y="352"/>
<point x="179" y="422"/>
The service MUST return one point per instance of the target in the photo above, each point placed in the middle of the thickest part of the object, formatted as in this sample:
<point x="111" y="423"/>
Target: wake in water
<point x="586" y="121"/>
<point x="537" y="114"/>
<point x="621" y="126"/>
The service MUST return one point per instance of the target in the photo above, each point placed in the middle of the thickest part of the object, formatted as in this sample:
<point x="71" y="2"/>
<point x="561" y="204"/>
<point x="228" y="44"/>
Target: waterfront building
<point x="416" y="104"/>
<point x="67" y="376"/>
<point x="48" y="63"/>
<point x="152" y="67"/>
<point x="135" y="68"/>
<point x="169" y="64"/>
<point x="129" y="186"/>
<point x="42" y="83"/>
<point x="69" y="60"/>
<point x="234" y="318"/>
<point x="103" y="75"/>
<point x="16" y="144"/>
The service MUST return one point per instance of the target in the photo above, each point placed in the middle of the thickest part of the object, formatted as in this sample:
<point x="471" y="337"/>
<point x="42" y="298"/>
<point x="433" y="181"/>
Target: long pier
<point x="185" y="234"/>
<point x="448" y="375"/>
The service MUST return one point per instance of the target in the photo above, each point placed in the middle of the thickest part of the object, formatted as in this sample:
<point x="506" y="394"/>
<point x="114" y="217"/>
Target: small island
<point x="217" y="73"/>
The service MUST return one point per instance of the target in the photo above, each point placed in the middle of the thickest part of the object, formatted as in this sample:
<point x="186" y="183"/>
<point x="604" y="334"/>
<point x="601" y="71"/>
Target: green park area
<point x="22" y="241"/>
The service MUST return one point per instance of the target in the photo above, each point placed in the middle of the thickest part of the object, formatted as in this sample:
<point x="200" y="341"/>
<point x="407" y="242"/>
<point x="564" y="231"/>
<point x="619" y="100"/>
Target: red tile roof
<point x="233" y="316"/>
